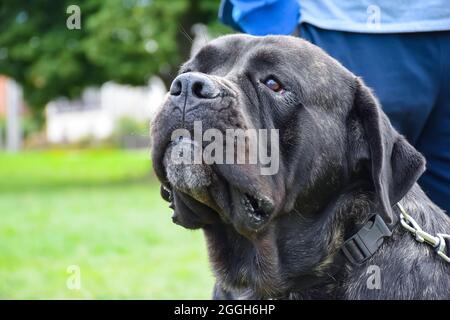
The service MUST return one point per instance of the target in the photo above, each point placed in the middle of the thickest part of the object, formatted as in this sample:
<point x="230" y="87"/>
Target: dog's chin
<point x="239" y="205"/>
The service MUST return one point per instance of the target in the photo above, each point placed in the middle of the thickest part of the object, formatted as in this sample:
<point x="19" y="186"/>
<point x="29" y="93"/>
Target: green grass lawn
<point x="100" y="211"/>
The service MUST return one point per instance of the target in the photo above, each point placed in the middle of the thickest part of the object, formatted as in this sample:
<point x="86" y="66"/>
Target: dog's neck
<point x="304" y="262"/>
<point x="263" y="267"/>
<point x="342" y="217"/>
<point x="337" y="277"/>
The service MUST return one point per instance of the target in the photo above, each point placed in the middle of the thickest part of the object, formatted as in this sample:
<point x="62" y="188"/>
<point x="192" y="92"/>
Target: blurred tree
<point x="122" y="40"/>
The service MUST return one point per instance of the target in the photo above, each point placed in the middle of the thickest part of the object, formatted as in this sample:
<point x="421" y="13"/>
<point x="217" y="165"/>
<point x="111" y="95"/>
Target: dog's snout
<point x="195" y="85"/>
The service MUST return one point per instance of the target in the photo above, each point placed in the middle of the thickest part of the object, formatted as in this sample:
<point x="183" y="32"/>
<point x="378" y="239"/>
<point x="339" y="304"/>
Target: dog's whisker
<point x="185" y="33"/>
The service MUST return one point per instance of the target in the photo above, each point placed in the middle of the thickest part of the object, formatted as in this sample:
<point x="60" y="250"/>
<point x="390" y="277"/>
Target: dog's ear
<point x="395" y="165"/>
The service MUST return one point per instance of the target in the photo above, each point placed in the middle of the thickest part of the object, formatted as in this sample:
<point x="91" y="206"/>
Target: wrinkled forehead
<point x="246" y="52"/>
<point x="237" y="51"/>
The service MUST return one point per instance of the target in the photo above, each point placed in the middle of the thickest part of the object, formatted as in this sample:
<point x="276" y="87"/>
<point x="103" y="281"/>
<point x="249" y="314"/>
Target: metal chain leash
<point x="437" y="242"/>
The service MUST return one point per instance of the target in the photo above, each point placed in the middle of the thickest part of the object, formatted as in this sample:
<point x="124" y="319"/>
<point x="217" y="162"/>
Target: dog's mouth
<point x="256" y="209"/>
<point x="242" y="205"/>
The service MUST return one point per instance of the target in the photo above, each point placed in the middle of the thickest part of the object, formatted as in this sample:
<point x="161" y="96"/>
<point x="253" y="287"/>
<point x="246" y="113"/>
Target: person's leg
<point x="434" y="142"/>
<point x="400" y="68"/>
<point x="407" y="74"/>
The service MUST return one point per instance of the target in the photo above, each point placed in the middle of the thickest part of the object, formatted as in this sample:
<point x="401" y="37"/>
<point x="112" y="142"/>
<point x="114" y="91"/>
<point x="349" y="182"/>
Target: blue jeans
<point x="410" y="75"/>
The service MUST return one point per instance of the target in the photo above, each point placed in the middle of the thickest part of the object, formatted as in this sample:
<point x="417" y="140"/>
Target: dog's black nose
<point x="195" y="85"/>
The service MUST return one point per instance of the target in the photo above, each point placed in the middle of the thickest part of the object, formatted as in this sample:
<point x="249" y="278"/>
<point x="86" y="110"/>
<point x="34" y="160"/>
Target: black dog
<point x="342" y="169"/>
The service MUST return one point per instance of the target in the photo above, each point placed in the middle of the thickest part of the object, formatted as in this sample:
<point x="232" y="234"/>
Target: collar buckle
<point x="362" y="245"/>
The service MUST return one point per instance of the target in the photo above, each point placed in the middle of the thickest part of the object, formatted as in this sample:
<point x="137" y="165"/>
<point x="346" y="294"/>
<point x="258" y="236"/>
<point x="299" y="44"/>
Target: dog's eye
<point x="273" y="85"/>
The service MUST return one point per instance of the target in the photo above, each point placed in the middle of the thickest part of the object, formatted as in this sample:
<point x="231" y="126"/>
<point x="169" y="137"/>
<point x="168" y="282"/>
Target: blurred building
<point x="11" y="109"/>
<point x="2" y="97"/>
<point x="96" y="114"/>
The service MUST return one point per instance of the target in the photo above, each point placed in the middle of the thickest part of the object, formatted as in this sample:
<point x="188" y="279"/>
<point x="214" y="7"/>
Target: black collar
<point x="364" y="243"/>
<point x="357" y="249"/>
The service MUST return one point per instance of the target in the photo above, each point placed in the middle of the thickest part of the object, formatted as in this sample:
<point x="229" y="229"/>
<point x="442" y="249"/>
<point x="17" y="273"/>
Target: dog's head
<point x="329" y="129"/>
